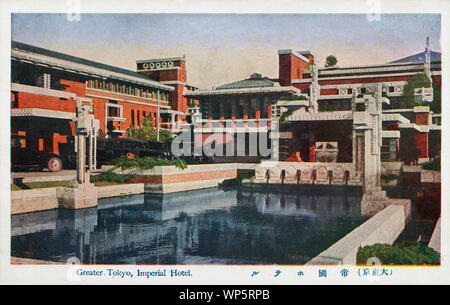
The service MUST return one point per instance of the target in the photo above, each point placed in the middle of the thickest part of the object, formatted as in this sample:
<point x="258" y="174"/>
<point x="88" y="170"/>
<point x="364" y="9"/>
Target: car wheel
<point x="54" y="164"/>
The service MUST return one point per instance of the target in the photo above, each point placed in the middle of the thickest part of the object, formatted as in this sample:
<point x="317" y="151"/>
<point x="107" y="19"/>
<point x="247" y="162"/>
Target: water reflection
<point x="211" y="226"/>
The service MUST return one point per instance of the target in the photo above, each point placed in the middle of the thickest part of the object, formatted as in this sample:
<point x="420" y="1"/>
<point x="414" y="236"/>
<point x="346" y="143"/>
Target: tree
<point x="147" y="131"/>
<point x="330" y="61"/>
<point x="420" y="80"/>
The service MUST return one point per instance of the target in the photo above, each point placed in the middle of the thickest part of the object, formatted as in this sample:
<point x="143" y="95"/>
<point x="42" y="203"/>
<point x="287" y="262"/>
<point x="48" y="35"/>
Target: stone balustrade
<point x="307" y="173"/>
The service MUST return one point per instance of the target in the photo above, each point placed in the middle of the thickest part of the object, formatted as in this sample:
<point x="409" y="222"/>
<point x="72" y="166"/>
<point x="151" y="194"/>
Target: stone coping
<point x="435" y="240"/>
<point x="382" y="228"/>
<point x="167" y="170"/>
<point x="30" y="261"/>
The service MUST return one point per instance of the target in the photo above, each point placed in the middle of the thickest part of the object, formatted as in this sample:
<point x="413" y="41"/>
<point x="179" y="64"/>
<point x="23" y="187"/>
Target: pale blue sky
<point x="225" y="47"/>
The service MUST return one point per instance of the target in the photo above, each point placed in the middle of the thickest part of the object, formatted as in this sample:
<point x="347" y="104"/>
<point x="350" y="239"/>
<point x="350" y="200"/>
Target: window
<point x="349" y="91"/>
<point x="113" y="112"/>
<point x="132" y="117"/>
<point x="138" y="118"/>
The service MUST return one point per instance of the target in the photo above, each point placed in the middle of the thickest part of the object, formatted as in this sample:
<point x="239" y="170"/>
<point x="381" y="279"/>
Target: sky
<point x="222" y="48"/>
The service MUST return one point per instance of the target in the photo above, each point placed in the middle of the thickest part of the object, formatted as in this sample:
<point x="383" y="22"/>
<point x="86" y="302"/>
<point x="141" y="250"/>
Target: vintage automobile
<point x="29" y="158"/>
<point x="110" y="149"/>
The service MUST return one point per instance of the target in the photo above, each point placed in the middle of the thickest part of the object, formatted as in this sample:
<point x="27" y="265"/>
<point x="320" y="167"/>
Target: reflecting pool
<point x="246" y="225"/>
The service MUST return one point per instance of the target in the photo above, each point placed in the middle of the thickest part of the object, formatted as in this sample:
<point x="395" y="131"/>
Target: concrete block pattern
<point x="33" y="200"/>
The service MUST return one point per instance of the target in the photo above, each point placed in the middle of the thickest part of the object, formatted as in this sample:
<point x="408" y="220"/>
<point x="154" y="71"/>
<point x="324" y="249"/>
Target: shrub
<point x="243" y="176"/>
<point x="101" y="134"/>
<point x="147" y="163"/>
<point x="283" y="117"/>
<point x="325" y="108"/>
<point x="403" y="253"/>
<point x="293" y="98"/>
<point x="111" y="177"/>
<point x="147" y="131"/>
<point x="434" y="165"/>
<point x="420" y="80"/>
<point x="389" y="177"/>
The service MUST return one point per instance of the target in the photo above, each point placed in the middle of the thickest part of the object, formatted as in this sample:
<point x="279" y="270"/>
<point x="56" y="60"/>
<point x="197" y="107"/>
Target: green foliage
<point x="111" y="177"/>
<point x="434" y="165"/>
<point x="192" y="105"/>
<point x="101" y="134"/>
<point x="147" y="163"/>
<point x="283" y="118"/>
<point x="147" y="131"/>
<point x="308" y="67"/>
<point x="403" y="253"/>
<point x="435" y="106"/>
<point x="420" y="80"/>
<point x="330" y="61"/>
<point x="293" y="98"/>
<point x="238" y="180"/>
<point x="389" y="177"/>
<point x="324" y="108"/>
<point x="244" y="176"/>
<point x="38" y="185"/>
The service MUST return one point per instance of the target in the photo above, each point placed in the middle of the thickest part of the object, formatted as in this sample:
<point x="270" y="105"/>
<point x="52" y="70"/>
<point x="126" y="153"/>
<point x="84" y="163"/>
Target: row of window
<point x="120" y="88"/>
<point x="363" y="90"/>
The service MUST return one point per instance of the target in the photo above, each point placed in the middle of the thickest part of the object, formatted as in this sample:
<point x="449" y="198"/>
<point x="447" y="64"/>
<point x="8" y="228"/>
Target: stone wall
<point x="33" y="200"/>
<point x="120" y="190"/>
<point x="169" y="179"/>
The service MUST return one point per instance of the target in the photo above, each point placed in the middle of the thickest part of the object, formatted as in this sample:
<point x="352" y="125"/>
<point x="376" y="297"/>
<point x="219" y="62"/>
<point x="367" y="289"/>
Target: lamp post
<point x="157" y="116"/>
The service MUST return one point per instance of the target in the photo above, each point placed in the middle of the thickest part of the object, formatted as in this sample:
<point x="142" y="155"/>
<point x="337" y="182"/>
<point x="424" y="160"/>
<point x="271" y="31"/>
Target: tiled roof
<point x="46" y="52"/>
<point x="419" y="58"/>
<point x="248" y="83"/>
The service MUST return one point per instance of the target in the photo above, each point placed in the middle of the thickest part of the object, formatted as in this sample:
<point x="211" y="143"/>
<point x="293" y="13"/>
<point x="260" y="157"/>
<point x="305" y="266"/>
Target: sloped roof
<point x="419" y="58"/>
<point x="248" y="83"/>
<point x="78" y="60"/>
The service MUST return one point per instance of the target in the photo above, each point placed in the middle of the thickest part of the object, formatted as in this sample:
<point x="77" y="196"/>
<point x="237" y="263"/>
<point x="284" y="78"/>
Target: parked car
<point x="27" y="158"/>
<point x="110" y="149"/>
<point x="161" y="149"/>
<point x="193" y="157"/>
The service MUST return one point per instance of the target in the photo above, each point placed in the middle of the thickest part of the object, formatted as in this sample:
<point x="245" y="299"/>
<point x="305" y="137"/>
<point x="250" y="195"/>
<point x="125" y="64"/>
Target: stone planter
<point x="170" y="179"/>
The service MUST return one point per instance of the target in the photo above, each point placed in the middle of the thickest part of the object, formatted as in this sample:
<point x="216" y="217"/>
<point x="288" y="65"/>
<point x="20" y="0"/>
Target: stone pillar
<point x="314" y="89"/>
<point x="233" y="108"/>
<point x="267" y="113"/>
<point x="82" y="193"/>
<point x="367" y="151"/>
<point x="172" y="120"/>
<point x="221" y="107"/>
